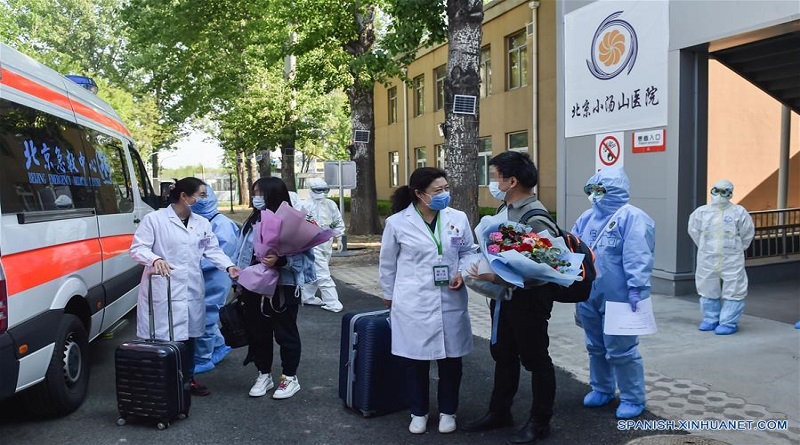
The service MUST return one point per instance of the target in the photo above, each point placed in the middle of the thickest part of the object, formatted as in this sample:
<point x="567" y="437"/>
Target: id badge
<point x="456" y="241"/>
<point x="204" y="242"/>
<point x="441" y="275"/>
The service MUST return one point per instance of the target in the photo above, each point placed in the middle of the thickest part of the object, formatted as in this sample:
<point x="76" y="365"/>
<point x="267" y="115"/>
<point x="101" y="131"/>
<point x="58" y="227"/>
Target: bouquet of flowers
<point x="517" y="254"/>
<point x="285" y="232"/>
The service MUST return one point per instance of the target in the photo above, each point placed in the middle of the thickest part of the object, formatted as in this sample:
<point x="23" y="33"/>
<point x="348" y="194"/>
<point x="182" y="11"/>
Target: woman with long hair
<point x="276" y="317"/>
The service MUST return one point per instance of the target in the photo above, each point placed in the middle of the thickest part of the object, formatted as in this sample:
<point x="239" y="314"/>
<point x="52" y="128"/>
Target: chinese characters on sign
<point x="62" y="168"/>
<point x="615" y="67"/>
<point x="610" y="104"/>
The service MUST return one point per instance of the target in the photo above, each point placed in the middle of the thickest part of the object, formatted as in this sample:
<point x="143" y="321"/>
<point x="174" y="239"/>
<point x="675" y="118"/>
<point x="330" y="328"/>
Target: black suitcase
<point x="371" y="379"/>
<point x="153" y="375"/>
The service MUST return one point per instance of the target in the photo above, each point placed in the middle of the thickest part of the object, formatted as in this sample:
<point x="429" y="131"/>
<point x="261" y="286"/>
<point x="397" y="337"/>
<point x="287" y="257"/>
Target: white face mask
<point x="317" y="196"/>
<point x="259" y="202"/>
<point x="494" y="189"/>
<point x="594" y="198"/>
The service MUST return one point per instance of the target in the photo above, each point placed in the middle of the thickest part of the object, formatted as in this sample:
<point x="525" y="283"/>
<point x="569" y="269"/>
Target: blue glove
<point x="634" y="298"/>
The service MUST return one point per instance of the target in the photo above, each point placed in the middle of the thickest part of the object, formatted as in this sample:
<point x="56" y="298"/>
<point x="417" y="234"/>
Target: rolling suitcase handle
<point x="169" y="308"/>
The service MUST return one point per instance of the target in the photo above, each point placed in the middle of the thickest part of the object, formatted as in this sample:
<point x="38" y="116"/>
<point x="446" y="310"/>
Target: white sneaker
<point x="288" y="387"/>
<point x="419" y="424"/>
<point x="447" y="423"/>
<point x="263" y="384"/>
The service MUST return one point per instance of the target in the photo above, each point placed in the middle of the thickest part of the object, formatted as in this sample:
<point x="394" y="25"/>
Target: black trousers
<point x="265" y="322"/>
<point x="190" y="352"/>
<point x="419" y="384"/>
<point x="522" y="338"/>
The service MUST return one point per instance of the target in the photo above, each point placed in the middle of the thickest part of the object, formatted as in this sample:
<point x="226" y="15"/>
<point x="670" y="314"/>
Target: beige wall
<point x="504" y="111"/>
<point x="744" y="140"/>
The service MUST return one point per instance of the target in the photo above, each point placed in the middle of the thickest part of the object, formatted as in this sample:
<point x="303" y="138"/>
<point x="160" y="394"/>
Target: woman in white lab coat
<point x="171" y="242"/>
<point x="422" y="247"/>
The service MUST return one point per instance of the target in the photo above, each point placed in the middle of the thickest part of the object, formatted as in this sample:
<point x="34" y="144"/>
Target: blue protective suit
<point x="217" y="282"/>
<point x="624" y="262"/>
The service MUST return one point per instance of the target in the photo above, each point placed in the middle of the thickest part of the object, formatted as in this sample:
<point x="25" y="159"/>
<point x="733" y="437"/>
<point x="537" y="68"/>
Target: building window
<point x="484" y="154"/>
<point x="486" y="72"/>
<point x="419" y="95"/>
<point x="392" y="105"/>
<point x="422" y="160"/>
<point x="440" y="74"/>
<point x="518" y="141"/>
<point x="517" y="60"/>
<point x="440" y="156"/>
<point x="394" y="168"/>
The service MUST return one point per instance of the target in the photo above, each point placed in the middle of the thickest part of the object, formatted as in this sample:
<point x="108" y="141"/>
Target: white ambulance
<point x="72" y="191"/>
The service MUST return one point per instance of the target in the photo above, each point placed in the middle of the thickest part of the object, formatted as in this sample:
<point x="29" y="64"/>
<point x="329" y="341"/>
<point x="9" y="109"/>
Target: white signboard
<point x="616" y="66"/>
<point x="609" y="150"/>
<point x="348" y="169"/>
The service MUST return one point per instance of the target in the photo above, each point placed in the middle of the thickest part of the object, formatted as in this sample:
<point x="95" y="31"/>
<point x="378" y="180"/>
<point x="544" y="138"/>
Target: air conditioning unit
<point x="463" y="104"/>
<point x="361" y="136"/>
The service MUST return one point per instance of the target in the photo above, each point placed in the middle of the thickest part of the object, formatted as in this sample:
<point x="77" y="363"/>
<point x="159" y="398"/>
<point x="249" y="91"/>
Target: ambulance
<point x="72" y="191"/>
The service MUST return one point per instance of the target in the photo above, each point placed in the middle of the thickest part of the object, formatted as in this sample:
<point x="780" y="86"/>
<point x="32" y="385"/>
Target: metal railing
<point x="777" y="233"/>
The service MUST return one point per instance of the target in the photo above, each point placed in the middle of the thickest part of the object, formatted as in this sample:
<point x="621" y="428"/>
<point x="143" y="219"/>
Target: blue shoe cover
<point x="725" y="330"/>
<point x="219" y="354"/>
<point x="597" y="398"/>
<point x="629" y="410"/>
<point x="203" y="367"/>
<point x="797" y="325"/>
<point x="706" y="326"/>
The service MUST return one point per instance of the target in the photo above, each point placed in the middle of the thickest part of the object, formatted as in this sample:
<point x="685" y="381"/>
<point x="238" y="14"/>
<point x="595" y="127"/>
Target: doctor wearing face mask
<point x="423" y="246"/>
<point x="722" y="232"/>
<point x="326" y="213"/>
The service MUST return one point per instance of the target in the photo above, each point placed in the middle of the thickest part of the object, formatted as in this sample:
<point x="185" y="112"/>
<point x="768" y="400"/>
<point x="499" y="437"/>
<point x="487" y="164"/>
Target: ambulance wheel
<point x="67" y="378"/>
<point x="182" y="416"/>
<point x="121" y="421"/>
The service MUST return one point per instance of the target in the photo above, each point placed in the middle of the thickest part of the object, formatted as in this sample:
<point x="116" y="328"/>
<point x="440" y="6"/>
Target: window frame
<point x="417" y="157"/>
<point x="394" y="168"/>
<point x="391" y="98"/>
<point x="521" y="53"/>
<point x="484" y="155"/>
<point x="418" y="87"/>
<point x="440" y="151"/>
<point x="519" y="149"/>
<point x="486" y="71"/>
<point x="439" y="97"/>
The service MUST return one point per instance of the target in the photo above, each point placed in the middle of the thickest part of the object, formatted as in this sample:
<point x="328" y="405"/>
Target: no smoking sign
<point x="609" y="150"/>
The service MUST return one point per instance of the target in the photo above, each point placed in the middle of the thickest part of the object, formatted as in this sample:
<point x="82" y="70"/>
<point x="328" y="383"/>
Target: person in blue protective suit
<point x="623" y="239"/>
<point x="210" y="349"/>
<point x="722" y="231"/>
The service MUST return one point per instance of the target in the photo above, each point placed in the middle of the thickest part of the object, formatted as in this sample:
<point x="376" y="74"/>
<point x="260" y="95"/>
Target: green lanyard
<point x="438" y="242"/>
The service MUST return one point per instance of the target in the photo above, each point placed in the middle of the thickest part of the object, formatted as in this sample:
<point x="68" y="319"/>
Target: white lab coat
<point x="161" y="234"/>
<point x="428" y="322"/>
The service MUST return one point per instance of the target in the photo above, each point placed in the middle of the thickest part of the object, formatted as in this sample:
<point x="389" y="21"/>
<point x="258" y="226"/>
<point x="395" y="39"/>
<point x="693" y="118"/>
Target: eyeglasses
<point x="597" y="189"/>
<point x="321" y="190"/>
<point x="725" y="193"/>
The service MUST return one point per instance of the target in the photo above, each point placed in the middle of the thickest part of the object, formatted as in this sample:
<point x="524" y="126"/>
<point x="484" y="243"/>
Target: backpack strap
<point x="541" y="213"/>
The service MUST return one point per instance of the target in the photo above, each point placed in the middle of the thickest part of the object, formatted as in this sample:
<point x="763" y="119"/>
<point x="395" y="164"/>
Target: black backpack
<point x="579" y="290"/>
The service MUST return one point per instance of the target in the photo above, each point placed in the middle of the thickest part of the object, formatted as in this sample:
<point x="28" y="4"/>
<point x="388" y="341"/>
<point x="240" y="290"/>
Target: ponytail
<point x="402" y="198"/>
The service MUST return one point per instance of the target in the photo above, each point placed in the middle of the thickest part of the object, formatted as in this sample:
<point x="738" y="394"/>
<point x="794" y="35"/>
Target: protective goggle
<point x="725" y="193"/>
<point x="321" y="190"/>
<point x="597" y="189"/>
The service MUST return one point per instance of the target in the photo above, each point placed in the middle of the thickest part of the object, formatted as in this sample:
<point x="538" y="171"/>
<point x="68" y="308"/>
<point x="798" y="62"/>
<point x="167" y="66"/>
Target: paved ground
<point x="690" y="375"/>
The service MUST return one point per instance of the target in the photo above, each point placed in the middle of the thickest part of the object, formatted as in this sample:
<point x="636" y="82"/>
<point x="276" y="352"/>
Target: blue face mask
<point x="440" y="201"/>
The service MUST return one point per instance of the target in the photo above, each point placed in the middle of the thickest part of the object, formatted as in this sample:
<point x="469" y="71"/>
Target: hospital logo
<point x="614" y="48"/>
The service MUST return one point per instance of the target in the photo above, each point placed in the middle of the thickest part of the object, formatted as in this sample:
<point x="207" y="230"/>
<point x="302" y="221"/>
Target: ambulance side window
<point x="42" y="164"/>
<point x="145" y="188"/>
<point x="107" y="169"/>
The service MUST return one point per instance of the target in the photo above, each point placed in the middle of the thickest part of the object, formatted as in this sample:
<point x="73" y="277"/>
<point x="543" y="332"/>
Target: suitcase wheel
<point x="121" y="421"/>
<point x="162" y="425"/>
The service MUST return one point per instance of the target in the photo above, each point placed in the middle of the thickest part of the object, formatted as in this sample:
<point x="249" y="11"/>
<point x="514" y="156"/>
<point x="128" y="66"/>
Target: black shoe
<point x="492" y="420"/>
<point x="197" y="389"/>
<point x="530" y="433"/>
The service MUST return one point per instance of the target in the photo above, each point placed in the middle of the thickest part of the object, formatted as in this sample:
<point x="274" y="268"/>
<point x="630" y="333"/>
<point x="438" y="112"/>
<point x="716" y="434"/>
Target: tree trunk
<point x="463" y="77"/>
<point x="264" y="166"/>
<point x="364" y="203"/>
<point x="241" y="184"/>
<point x="287" y="163"/>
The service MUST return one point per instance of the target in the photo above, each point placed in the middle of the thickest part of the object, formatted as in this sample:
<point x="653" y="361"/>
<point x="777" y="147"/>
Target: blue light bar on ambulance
<point x="86" y="82"/>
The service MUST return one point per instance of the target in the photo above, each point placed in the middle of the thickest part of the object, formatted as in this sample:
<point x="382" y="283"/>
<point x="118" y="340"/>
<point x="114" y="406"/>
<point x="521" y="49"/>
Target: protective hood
<point x="207" y="207"/>
<point x="319" y="189"/>
<point x="719" y="200"/>
<point x="617" y="185"/>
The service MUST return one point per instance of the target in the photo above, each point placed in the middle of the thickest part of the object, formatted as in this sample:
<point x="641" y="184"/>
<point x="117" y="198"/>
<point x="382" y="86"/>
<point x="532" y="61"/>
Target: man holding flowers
<point x="519" y="326"/>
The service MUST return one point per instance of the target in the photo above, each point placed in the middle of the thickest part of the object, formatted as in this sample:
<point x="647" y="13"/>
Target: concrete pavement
<point x="753" y="375"/>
